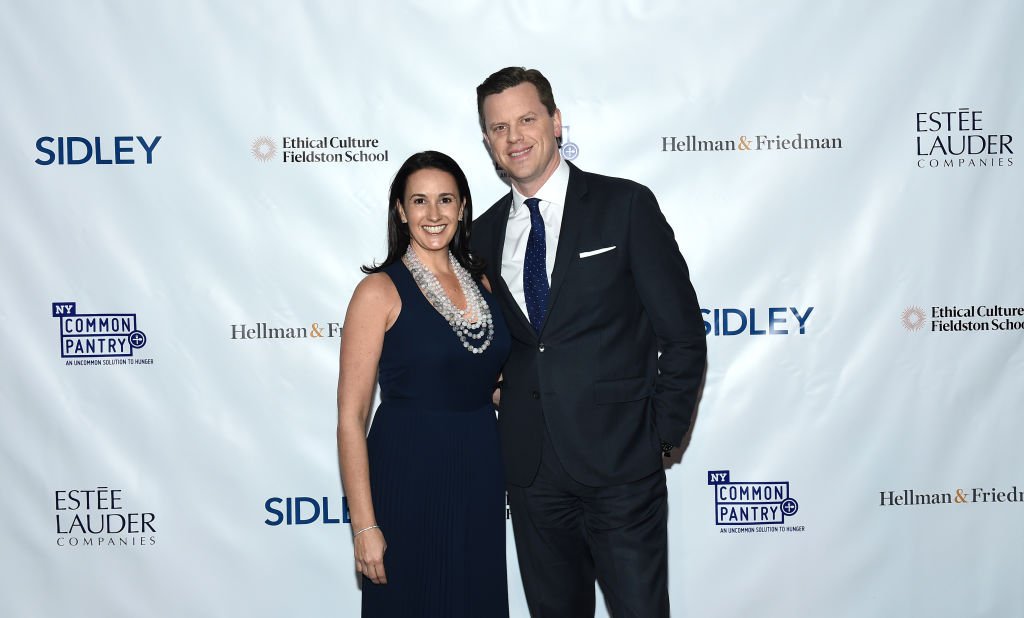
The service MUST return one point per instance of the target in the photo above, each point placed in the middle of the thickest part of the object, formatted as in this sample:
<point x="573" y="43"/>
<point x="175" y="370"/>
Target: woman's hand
<point x="369" y="552"/>
<point x="496" y="395"/>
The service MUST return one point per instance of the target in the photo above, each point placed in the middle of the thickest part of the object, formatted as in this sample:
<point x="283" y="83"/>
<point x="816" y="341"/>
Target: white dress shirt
<point x="517" y="230"/>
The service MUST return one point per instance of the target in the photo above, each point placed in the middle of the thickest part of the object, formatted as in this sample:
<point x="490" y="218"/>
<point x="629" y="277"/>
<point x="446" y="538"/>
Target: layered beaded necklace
<point x="470" y="325"/>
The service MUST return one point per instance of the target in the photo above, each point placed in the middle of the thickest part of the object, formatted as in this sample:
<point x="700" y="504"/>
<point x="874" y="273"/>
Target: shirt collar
<point x="553" y="191"/>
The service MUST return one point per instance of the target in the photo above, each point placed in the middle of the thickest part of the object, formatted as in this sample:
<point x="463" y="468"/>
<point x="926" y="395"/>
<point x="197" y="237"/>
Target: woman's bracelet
<point x="365" y="529"/>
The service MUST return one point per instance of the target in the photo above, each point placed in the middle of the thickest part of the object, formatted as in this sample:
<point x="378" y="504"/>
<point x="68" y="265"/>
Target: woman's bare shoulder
<point x="375" y="298"/>
<point x="376" y="286"/>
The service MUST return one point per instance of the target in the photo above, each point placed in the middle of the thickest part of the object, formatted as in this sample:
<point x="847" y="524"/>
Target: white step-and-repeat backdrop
<point x="191" y="187"/>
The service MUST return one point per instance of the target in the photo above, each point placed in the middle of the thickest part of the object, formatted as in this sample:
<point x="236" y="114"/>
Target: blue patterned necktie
<point x="535" y="269"/>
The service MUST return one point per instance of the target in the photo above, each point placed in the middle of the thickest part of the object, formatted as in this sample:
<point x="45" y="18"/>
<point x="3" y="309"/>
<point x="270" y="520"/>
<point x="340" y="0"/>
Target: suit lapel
<point x="568" y="237"/>
<point x="497" y="249"/>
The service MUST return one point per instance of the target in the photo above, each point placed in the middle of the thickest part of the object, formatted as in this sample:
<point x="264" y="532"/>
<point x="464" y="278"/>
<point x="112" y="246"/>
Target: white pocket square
<point x="586" y="254"/>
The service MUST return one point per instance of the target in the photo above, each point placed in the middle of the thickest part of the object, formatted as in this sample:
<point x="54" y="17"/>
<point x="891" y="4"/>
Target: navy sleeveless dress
<point x="436" y="473"/>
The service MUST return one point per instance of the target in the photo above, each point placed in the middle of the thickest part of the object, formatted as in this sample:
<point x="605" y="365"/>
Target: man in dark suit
<point x="593" y="287"/>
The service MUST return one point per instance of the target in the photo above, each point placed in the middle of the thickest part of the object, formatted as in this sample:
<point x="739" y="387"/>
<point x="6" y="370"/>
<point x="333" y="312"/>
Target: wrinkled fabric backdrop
<point x="191" y="187"/>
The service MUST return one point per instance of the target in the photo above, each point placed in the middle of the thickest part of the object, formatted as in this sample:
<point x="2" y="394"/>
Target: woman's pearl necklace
<point x="471" y="325"/>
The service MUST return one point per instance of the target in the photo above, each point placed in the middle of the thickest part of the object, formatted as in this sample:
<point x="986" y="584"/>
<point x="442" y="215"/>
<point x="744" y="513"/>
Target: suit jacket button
<point x="535" y="395"/>
<point x="540" y="348"/>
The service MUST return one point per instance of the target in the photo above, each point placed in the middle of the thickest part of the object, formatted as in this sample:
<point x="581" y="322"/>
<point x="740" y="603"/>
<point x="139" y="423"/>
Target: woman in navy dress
<point x="425" y="488"/>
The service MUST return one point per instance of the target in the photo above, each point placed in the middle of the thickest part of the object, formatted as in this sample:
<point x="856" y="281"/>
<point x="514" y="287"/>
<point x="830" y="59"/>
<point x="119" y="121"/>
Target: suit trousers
<point x="568" y="534"/>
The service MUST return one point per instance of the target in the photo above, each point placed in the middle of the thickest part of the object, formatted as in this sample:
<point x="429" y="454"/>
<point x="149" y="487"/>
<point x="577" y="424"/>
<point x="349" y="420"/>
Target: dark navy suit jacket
<point x="593" y="375"/>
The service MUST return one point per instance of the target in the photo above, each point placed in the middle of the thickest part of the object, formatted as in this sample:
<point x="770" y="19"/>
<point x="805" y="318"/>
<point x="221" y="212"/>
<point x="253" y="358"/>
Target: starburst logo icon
<point x="263" y="148"/>
<point x="913" y="318"/>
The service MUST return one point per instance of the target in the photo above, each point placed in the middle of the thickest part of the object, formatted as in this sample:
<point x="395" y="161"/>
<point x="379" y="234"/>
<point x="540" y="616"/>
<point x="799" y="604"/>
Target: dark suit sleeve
<point x="663" y="283"/>
<point x="480" y="243"/>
